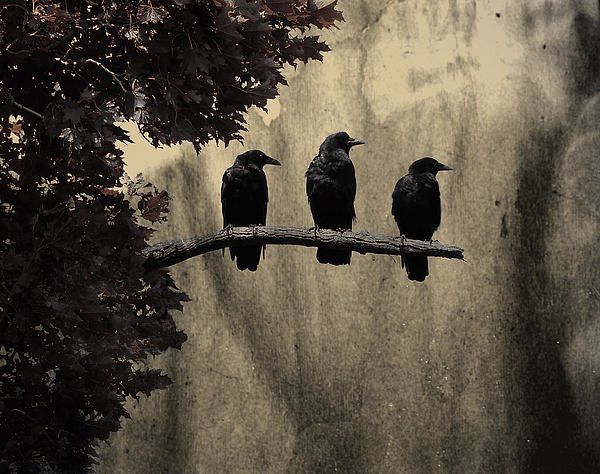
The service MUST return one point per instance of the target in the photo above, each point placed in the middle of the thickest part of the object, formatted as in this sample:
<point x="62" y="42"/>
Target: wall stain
<point x="358" y="370"/>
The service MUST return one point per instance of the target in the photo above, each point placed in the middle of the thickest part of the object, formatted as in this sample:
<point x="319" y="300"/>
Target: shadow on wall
<point x="547" y="313"/>
<point x="266" y="315"/>
<point x="326" y="423"/>
<point x="488" y="366"/>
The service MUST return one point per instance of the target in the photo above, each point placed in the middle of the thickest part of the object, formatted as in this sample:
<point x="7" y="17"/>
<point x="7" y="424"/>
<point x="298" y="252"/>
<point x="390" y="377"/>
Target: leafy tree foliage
<point x="79" y="312"/>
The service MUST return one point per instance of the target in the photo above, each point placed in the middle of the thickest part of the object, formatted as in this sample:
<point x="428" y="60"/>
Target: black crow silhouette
<point x="331" y="189"/>
<point x="417" y="209"/>
<point x="244" y="198"/>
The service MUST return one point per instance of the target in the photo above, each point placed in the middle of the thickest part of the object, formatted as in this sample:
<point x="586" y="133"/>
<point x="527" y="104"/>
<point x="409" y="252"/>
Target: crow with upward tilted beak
<point x="244" y="198"/>
<point x="331" y="189"/>
<point x="417" y="209"/>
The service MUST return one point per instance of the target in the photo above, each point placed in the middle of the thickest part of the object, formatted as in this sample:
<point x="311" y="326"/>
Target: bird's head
<point x="256" y="158"/>
<point x="339" y="140"/>
<point x="427" y="165"/>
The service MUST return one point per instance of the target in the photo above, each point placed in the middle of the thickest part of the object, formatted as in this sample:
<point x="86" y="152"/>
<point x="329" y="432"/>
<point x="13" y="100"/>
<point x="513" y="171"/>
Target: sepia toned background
<point x="490" y="366"/>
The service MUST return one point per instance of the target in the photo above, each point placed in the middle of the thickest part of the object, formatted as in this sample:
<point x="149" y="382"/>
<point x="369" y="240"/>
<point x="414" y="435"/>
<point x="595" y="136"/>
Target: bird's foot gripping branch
<point x="170" y="252"/>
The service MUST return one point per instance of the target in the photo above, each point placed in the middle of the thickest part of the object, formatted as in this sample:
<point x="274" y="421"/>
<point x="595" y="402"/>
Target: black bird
<point x="331" y="189"/>
<point x="244" y="197"/>
<point x="417" y="209"/>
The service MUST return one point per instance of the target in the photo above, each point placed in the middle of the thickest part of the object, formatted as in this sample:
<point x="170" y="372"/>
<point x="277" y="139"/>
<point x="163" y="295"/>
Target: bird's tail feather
<point x="417" y="268"/>
<point x="246" y="258"/>
<point x="334" y="257"/>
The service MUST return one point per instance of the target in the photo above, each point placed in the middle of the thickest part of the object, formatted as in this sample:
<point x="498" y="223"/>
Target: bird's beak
<point x="444" y="167"/>
<point x="272" y="161"/>
<point x="355" y="141"/>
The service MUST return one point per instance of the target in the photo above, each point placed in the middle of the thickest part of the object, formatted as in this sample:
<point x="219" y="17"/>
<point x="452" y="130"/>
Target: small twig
<point x="104" y="68"/>
<point x="21" y="106"/>
<point x="169" y="253"/>
<point x="144" y="136"/>
<point x="22" y="413"/>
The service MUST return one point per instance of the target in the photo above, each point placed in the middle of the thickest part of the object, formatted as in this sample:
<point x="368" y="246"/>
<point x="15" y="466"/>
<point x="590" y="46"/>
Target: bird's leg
<point x="315" y="229"/>
<point x="255" y="228"/>
<point x="228" y="229"/>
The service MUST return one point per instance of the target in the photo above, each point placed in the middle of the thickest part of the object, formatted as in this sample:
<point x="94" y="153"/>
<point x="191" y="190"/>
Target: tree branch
<point x="170" y="252"/>
<point x="21" y="106"/>
<point x="105" y="69"/>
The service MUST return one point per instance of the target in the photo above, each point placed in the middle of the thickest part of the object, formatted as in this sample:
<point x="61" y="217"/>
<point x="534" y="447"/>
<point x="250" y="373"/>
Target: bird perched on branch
<point x="244" y="198"/>
<point x="417" y="209"/>
<point x="331" y="189"/>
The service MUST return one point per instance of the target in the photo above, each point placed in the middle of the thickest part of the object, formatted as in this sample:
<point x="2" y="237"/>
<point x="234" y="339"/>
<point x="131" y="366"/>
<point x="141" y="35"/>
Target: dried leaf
<point x="155" y="206"/>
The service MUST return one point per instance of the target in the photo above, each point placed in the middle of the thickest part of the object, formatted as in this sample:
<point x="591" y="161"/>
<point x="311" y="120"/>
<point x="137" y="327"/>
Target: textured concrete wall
<point x="491" y="365"/>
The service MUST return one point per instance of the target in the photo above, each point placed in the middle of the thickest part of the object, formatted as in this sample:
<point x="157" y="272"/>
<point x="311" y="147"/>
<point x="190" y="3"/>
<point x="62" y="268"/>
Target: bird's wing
<point x="264" y="206"/>
<point x="351" y="187"/>
<point x="331" y="190"/>
<point x="261" y="194"/>
<point x="236" y="196"/>
<point x="311" y="172"/>
<point x="345" y="175"/>
<point x="427" y="200"/>
<point x="416" y="206"/>
<point x="226" y="183"/>
<point x="435" y="205"/>
<point x="401" y="197"/>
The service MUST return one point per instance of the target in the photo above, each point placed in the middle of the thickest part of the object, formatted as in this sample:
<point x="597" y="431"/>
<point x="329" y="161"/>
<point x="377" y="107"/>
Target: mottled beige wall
<point x="491" y="365"/>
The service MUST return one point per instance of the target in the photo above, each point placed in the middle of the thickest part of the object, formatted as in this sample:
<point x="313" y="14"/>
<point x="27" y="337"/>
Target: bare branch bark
<point x="104" y="68"/>
<point x="170" y="252"/>
<point x="21" y="106"/>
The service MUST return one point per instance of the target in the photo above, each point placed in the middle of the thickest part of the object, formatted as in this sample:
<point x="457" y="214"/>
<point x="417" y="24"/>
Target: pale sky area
<point x="141" y="156"/>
